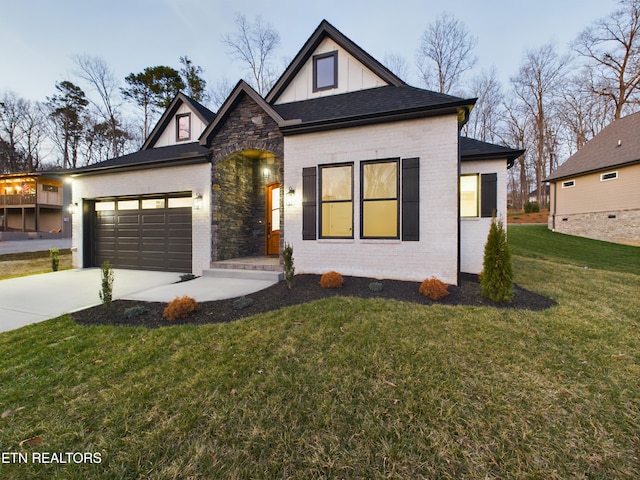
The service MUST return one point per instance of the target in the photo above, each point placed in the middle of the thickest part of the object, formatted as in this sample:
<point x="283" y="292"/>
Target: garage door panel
<point x="153" y="233"/>
<point x="155" y="219"/>
<point x="129" y="219"/>
<point x="154" y="239"/>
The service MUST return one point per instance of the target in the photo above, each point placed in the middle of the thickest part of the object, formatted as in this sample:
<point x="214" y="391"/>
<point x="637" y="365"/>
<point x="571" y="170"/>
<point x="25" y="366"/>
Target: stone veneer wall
<point x="238" y="215"/>
<point x="621" y="226"/>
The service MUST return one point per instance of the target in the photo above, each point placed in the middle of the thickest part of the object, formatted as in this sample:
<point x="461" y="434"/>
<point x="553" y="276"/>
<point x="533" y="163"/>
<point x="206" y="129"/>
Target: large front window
<point x="336" y="187"/>
<point x="380" y="188"/>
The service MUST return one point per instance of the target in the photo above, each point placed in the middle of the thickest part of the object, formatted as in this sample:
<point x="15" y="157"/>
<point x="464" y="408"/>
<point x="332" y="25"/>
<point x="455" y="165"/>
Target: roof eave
<point x="297" y="127"/>
<point x="510" y="156"/>
<point x="171" y="162"/>
<point x="553" y="178"/>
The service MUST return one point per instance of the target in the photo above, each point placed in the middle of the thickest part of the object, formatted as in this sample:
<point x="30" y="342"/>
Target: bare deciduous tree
<point x="612" y="49"/>
<point x="537" y="87"/>
<point x="484" y="122"/>
<point x="516" y="132"/>
<point x="255" y="44"/>
<point x="21" y="133"/>
<point x="397" y="64"/>
<point x="95" y="71"/>
<point x="583" y="112"/>
<point x="219" y="92"/>
<point x="445" y="53"/>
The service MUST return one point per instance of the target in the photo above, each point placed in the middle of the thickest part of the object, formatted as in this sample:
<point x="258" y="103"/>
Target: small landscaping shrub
<point x="289" y="269"/>
<point x="242" y="302"/>
<point x="531" y="207"/>
<point x="375" y="286"/>
<point x="106" y="292"/>
<point x="54" y="254"/>
<point x="136" y="311"/>
<point x="497" y="274"/>
<point x="187" y="276"/>
<point x="331" y="280"/>
<point x="434" y="289"/>
<point x="180" y="307"/>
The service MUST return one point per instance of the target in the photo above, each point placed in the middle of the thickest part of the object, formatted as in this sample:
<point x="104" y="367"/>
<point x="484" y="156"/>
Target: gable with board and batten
<point x="352" y="76"/>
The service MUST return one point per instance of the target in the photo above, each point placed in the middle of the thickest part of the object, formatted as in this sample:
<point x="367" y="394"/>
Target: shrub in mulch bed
<point x="306" y="289"/>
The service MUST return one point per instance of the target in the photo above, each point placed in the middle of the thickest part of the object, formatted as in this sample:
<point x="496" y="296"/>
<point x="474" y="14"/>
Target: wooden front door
<point x="272" y="202"/>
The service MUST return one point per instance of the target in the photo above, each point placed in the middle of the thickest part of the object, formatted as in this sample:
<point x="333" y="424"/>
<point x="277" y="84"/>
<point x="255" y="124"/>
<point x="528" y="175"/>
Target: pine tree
<point x="497" y="277"/>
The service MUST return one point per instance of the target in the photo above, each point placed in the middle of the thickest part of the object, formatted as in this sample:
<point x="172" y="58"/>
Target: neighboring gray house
<point x="358" y="171"/>
<point x="596" y="192"/>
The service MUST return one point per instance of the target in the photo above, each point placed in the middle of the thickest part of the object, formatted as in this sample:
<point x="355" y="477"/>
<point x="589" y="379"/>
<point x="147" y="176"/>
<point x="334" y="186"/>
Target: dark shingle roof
<point x="183" y="153"/>
<point x="367" y="103"/>
<point x="472" y="149"/>
<point x="206" y="114"/>
<point x="616" y="145"/>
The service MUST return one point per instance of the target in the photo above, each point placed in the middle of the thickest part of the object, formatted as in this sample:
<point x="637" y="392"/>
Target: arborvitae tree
<point x="497" y="276"/>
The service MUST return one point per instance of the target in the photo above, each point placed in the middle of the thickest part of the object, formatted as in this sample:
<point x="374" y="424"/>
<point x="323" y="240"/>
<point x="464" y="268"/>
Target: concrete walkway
<point x="35" y="298"/>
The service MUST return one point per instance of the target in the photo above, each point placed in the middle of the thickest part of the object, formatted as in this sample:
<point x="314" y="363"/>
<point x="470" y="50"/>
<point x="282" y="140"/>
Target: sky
<point x="39" y="38"/>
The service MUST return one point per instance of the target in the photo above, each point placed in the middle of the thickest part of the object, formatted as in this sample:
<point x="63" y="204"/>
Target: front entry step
<point x="243" y="274"/>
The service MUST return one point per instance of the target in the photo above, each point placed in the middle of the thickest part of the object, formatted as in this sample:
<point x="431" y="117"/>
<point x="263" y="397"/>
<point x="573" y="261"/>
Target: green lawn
<point x="346" y="388"/>
<point x="31" y="263"/>
<point x="540" y="242"/>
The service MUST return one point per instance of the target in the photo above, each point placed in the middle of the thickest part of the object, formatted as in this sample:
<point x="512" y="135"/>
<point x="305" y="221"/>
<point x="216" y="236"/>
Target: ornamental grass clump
<point x="331" y="280"/>
<point x="434" y="289"/>
<point x="180" y="307"/>
<point x="497" y="274"/>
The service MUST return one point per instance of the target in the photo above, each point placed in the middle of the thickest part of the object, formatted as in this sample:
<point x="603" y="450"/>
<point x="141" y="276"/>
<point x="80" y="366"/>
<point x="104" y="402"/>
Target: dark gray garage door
<point x="144" y="233"/>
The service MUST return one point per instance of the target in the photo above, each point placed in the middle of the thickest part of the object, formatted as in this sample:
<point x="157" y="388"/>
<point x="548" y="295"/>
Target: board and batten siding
<point x="352" y="76"/>
<point x="435" y="142"/>
<point x="192" y="178"/>
<point x="168" y="136"/>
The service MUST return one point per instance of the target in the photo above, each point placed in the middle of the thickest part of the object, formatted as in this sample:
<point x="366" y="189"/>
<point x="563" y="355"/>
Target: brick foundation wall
<point x="621" y="226"/>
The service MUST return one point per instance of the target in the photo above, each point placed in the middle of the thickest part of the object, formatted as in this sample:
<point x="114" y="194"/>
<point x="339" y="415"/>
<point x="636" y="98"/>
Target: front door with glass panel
<point x="272" y="203"/>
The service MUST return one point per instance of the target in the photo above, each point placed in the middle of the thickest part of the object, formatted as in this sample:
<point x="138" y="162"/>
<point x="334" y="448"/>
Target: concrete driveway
<point x="35" y="298"/>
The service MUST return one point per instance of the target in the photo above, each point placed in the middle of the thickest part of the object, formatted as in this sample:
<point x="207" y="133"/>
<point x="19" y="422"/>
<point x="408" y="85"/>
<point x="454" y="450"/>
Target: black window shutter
<point x="488" y="194"/>
<point x="410" y="199"/>
<point x="309" y="199"/>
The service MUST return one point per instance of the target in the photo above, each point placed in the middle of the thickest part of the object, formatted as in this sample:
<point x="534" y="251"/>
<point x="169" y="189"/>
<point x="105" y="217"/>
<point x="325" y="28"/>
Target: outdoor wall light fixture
<point x="291" y="197"/>
<point x="72" y="208"/>
<point x="197" y="202"/>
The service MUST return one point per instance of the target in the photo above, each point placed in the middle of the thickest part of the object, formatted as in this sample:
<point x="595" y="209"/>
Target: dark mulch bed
<point x="306" y="288"/>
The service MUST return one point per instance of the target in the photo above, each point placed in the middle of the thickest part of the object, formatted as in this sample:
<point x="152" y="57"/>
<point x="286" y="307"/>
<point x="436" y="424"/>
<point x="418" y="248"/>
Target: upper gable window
<point x="183" y="127"/>
<point x="325" y="71"/>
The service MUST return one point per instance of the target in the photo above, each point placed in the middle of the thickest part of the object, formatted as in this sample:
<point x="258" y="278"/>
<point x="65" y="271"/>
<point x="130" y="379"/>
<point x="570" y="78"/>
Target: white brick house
<point x="358" y="171"/>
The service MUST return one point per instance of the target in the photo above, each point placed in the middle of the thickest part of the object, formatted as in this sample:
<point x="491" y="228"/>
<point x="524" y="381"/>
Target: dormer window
<point x="325" y="71"/>
<point x="183" y="127"/>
